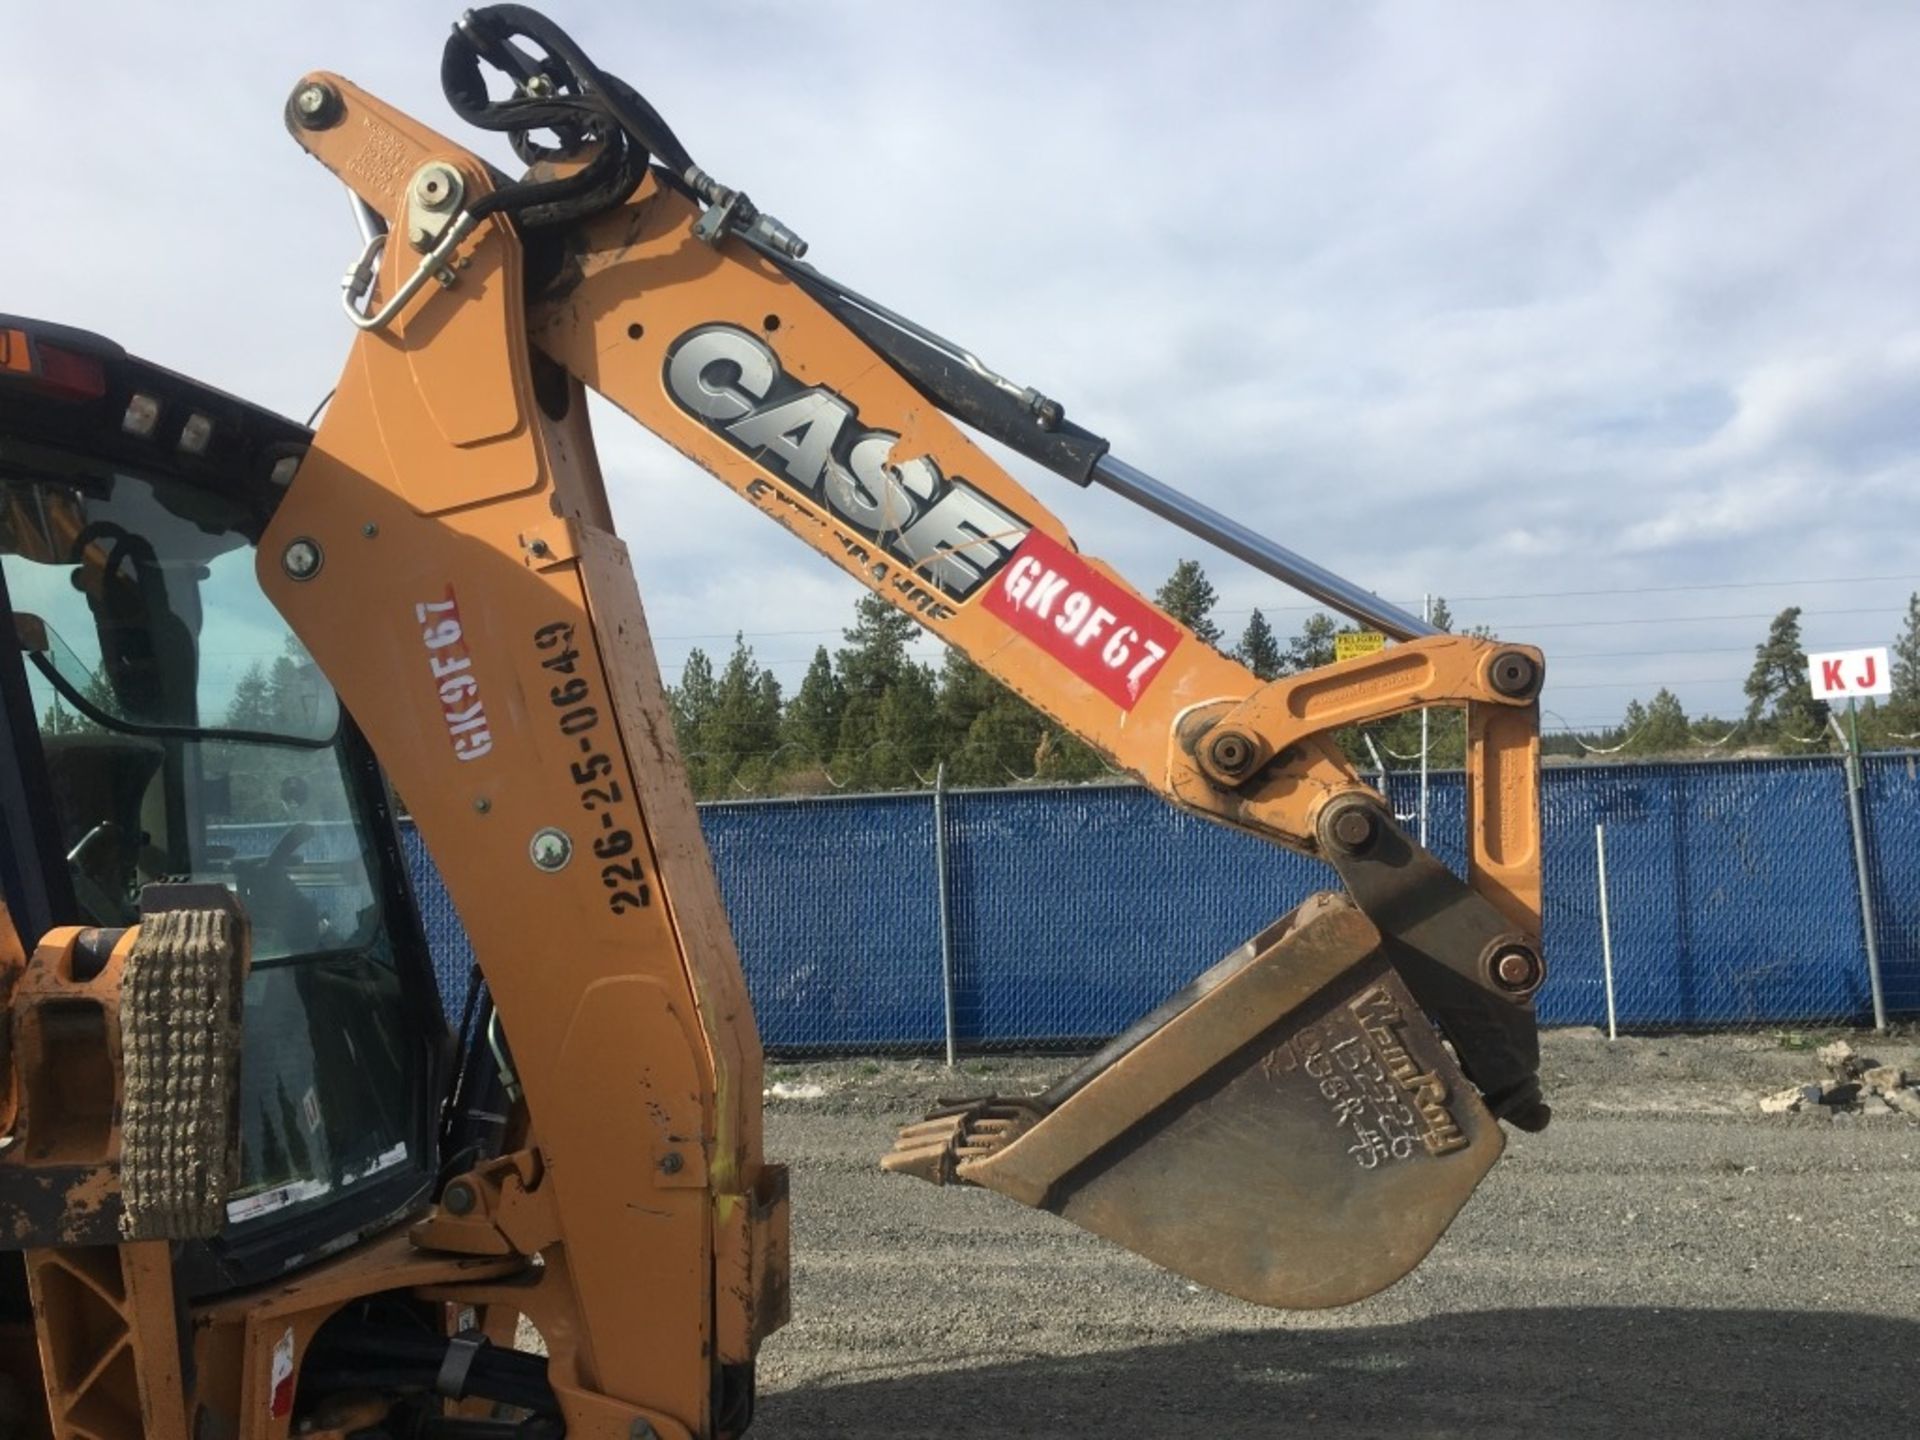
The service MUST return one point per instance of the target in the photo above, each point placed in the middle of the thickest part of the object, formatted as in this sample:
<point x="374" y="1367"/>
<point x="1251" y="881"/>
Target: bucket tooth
<point x="934" y="1148"/>
<point x="1289" y="1128"/>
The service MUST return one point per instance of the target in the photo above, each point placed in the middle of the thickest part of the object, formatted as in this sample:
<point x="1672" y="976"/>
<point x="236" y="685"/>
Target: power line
<point x="1683" y="619"/>
<point x="1680" y="589"/>
<point x="1517" y="625"/>
<point x="1559" y="657"/>
<point x="1452" y="600"/>
<point x="1640" y="683"/>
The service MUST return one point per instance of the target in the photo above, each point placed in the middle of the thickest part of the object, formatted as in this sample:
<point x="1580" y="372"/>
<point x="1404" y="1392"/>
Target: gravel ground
<point x="1662" y="1261"/>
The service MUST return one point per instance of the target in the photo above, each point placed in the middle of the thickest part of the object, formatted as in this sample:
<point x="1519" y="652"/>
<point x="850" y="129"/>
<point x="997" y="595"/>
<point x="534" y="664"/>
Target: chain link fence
<point x="1732" y="901"/>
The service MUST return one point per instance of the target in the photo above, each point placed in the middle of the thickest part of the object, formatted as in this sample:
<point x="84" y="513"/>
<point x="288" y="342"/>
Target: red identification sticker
<point x="1111" y="639"/>
<point x="280" y="1378"/>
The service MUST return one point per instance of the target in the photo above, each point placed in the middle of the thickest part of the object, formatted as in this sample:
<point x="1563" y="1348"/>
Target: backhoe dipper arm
<point x="721" y="351"/>
<point x="446" y="553"/>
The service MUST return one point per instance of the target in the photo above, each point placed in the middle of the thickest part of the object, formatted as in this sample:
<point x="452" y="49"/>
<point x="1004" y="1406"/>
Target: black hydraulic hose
<point x="323" y="1378"/>
<point x="574" y="99"/>
<point x="501" y="24"/>
<point x="385" y="1357"/>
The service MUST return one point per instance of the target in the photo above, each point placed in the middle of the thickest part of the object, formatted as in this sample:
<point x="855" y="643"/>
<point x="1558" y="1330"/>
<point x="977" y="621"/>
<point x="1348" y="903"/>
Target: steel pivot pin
<point x="550" y="849"/>
<point x="315" y="106"/>
<point x="302" y="558"/>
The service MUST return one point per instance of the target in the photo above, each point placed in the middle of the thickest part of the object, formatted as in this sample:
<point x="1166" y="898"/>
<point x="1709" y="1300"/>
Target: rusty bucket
<point x="1288" y="1129"/>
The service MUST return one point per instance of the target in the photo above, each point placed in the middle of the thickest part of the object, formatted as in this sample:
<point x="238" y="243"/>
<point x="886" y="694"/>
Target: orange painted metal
<point x="61" y="1171"/>
<point x="235" y="1337"/>
<point x="16" y="352"/>
<point x="111" y="1360"/>
<point x="638" y="281"/>
<point x="480" y="620"/>
<point x="146" y="1272"/>
<point x="1504" y="849"/>
<point x="481" y="624"/>
<point x="13" y="964"/>
<point x="1503" y="755"/>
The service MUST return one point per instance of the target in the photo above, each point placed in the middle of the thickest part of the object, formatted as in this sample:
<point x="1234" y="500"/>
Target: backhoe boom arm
<point x="446" y="553"/>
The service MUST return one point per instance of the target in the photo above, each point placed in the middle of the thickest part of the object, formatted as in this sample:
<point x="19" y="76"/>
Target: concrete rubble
<point x="1855" y="1085"/>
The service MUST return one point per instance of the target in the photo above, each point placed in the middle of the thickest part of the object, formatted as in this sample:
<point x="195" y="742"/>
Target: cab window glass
<point x="187" y="735"/>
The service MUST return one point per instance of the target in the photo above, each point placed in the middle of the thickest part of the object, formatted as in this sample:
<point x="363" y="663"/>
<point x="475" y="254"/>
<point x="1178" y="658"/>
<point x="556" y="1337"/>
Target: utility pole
<point x="1426" y="614"/>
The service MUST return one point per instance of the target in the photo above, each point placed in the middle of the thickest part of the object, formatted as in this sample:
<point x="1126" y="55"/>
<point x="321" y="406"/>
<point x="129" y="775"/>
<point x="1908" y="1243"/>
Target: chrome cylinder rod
<point x="1258" y="551"/>
<point x="369" y="220"/>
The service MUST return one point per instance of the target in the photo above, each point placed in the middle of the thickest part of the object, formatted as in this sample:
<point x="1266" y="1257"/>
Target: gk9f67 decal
<point x="810" y="439"/>
<point x="452" y="667"/>
<point x="1109" y="637"/>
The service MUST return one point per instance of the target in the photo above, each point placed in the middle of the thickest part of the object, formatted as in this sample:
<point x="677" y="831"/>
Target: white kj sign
<point x="1844" y="674"/>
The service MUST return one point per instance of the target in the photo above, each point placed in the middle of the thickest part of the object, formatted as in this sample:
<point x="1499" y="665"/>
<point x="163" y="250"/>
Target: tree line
<point x="1782" y="716"/>
<point x="868" y="716"/>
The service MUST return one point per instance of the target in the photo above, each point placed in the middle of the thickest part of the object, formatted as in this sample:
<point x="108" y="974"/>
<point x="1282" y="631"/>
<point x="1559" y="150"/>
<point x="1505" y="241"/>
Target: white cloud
<point x="1491" y="301"/>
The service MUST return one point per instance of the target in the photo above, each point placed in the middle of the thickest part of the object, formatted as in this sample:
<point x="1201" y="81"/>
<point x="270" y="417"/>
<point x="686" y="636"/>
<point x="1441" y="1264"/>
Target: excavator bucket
<point x="1289" y="1128"/>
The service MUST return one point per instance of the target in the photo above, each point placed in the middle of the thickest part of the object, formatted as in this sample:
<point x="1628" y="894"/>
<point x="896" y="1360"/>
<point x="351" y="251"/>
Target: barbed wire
<point x="1595" y="749"/>
<point x="741" y="758"/>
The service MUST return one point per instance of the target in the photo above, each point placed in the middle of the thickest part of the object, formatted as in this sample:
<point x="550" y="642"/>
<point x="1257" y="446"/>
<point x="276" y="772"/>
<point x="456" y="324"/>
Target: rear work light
<point x="50" y="369"/>
<point x="143" y="413"/>
<point x="195" y="434"/>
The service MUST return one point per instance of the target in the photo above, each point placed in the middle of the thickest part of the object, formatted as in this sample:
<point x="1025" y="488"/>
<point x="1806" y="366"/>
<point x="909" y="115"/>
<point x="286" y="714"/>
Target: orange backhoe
<point x="255" y="1183"/>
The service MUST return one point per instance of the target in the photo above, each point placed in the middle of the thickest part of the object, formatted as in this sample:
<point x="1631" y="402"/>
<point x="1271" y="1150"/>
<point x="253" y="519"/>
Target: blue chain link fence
<point x="1732" y="890"/>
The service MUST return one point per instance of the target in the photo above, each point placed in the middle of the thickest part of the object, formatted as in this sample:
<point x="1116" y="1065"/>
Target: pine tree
<point x="1709" y="731"/>
<point x="812" y="721"/>
<point x="1902" y="710"/>
<point x="289" y="695"/>
<point x="1188" y="596"/>
<point x="692" y="704"/>
<point x="60" y="718"/>
<point x="768" y="704"/>
<point x="1778" y="688"/>
<point x="1439" y="616"/>
<point x="744" y="728"/>
<point x="1662" y="726"/>
<point x="876" y="649"/>
<point x="988" y="734"/>
<point x="907" y="732"/>
<point x="965" y="691"/>
<point x="859" y="737"/>
<point x="1258" y="650"/>
<point x="56" y="719"/>
<point x="251" y="707"/>
<point x="1001" y="746"/>
<point x="1313" y="646"/>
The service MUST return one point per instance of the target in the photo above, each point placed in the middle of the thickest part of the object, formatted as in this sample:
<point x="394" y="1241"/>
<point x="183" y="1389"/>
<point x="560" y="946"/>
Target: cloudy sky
<point x="1602" y="321"/>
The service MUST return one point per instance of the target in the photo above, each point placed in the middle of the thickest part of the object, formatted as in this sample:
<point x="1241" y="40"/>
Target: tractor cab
<point x="161" y="725"/>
